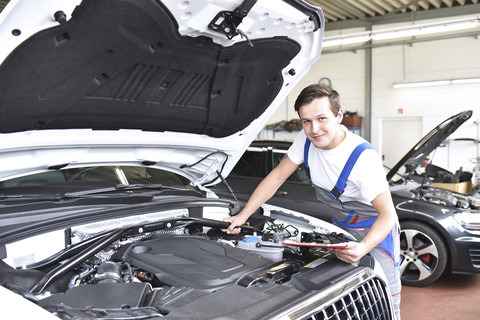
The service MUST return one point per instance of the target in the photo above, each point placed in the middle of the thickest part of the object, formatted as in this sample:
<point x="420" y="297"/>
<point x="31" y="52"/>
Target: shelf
<point x="355" y="129"/>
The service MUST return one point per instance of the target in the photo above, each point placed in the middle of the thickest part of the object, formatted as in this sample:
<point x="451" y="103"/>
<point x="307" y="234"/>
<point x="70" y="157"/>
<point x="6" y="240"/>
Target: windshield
<point x="67" y="180"/>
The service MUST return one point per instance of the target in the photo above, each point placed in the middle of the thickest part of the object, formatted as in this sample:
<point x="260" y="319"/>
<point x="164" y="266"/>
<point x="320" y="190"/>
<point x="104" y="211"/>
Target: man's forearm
<point x="386" y="220"/>
<point x="264" y="191"/>
<point x="267" y="188"/>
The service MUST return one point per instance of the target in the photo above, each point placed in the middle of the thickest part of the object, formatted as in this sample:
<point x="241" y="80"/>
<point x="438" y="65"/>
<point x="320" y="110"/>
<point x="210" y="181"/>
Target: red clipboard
<point x="315" y="244"/>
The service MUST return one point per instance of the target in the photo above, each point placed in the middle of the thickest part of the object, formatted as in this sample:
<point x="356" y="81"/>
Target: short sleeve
<point x="295" y="152"/>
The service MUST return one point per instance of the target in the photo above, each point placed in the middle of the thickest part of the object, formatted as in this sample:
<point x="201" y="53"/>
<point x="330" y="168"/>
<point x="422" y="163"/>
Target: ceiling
<point x="341" y="14"/>
<point x="3" y="3"/>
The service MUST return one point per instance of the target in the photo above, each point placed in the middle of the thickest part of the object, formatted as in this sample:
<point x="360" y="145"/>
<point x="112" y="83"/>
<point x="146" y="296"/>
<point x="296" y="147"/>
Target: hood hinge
<point x="226" y="22"/>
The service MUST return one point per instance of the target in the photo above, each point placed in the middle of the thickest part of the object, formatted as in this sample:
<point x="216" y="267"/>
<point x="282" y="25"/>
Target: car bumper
<point x="468" y="255"/>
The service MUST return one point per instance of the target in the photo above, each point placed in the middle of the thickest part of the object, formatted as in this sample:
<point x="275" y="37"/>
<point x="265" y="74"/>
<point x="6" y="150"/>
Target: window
<point x="109" y="174"/>
<point x="300" y="175"/>
<point x="251" y="164"/>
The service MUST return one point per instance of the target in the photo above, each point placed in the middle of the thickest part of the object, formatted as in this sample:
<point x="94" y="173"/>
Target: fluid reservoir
<point x="266" y="249"/>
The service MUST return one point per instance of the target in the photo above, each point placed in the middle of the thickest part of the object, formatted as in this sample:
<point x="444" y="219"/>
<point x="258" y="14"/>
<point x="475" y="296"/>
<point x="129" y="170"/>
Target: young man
<point x="360" y="193"/>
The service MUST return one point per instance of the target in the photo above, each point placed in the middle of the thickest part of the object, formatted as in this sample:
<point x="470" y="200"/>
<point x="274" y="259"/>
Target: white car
<point x="116" y="116"/>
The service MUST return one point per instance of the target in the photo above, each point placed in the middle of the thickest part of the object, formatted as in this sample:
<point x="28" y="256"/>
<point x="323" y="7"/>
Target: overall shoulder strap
<point x="341" y="184"/>
<point x="305" y="156"/>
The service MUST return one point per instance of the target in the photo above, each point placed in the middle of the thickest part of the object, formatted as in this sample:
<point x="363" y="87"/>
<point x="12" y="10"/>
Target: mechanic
<point x="347" y="174"/>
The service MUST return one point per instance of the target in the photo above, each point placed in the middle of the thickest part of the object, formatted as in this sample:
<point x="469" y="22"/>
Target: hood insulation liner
<point x="137" y="72"/>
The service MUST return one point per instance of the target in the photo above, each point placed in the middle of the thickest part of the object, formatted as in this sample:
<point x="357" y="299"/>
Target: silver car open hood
<point x="179" y="85"/>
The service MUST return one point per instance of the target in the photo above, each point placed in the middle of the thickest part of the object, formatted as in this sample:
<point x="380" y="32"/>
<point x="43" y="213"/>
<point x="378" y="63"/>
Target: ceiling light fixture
<point x="404" y="84"/>
<point x="467" y="80"/>
<point x="342" y="40"/>
<point x="402" y="32"/>
<point x="427" y="28"/>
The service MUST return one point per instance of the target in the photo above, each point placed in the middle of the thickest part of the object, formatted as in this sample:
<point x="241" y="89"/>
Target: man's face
<point x="321" y="125"/>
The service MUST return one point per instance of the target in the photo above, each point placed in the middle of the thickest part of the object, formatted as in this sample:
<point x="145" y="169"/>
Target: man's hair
<point x="316" y="91"/>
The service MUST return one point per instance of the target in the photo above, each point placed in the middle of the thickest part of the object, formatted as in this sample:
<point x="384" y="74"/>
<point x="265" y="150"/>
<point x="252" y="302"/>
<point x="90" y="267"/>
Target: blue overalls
<point x="357" y="218"/>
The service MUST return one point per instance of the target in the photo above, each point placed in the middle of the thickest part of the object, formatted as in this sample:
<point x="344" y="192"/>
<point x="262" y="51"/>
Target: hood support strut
<point x="226" y="185"/>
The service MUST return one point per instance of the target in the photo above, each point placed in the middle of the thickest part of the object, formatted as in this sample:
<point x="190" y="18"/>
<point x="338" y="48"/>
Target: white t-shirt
<point x="367" y="179"/>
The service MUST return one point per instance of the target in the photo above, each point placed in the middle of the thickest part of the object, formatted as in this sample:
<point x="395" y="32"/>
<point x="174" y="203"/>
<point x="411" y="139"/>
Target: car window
<point x="300" y="175"/>
<point x="250" y="164"/>
<point x="109" y="174"/>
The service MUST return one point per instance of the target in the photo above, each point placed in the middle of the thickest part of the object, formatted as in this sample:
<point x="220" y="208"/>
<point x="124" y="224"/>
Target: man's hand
<point x="352" y="253"/>
<point x="235" y="223"/>
<point x="265" y="190"/>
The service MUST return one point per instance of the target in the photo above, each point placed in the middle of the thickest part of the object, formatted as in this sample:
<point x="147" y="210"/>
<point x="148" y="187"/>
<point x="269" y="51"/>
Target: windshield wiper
<point x="77" y="194"/>
<point x="124" y="187"/>
<point x="147" y="186"/>
<point x="39" y="196"/>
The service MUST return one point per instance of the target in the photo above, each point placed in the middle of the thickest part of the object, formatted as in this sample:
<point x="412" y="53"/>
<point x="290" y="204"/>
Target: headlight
<point x="468" y="220"/>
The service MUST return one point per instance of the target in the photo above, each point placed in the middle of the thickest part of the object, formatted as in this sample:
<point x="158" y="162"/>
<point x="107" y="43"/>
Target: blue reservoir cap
<point x="251" y="239"/>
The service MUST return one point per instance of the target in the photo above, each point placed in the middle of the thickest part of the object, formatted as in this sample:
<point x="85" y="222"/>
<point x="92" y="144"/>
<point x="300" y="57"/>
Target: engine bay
<point x="179" y="267"/>
<point x="448" y="198"/>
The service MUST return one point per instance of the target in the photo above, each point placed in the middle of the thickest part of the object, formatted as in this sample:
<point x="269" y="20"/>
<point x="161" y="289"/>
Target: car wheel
<point x="423" y="254"/>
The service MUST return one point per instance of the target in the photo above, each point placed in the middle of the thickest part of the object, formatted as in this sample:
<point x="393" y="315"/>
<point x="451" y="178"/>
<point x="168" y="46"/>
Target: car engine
<point x="174" y="269"/>
<point x="449" y="198"/>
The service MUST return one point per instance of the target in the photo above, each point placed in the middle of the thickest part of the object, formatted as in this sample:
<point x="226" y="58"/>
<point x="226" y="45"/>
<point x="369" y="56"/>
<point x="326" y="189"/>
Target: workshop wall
<point x="422" y="108"/>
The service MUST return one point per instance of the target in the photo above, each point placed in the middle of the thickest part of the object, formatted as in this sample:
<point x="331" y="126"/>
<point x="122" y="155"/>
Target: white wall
<point x="445" y="59"/>
<point x="347" y="73"/>
<point x="441" y="59"/>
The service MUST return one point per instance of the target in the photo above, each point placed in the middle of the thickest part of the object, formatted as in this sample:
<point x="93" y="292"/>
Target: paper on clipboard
<point x="315" y="244"/>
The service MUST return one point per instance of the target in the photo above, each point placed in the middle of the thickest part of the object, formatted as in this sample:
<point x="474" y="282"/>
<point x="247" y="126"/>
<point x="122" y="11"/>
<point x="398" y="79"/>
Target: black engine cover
<point x="194" y="262"/>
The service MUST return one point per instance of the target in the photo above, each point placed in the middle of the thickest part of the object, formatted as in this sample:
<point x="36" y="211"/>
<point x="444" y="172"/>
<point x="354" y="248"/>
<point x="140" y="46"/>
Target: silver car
<point x="116" y="117"/>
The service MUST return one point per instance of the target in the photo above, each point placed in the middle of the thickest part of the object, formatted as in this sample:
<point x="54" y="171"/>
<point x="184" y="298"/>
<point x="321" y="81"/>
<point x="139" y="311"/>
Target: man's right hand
<point x="235" y="223"/>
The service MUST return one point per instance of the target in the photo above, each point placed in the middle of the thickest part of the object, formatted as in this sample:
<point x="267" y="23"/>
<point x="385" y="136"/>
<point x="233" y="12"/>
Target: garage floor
<point x="451" y="297"/>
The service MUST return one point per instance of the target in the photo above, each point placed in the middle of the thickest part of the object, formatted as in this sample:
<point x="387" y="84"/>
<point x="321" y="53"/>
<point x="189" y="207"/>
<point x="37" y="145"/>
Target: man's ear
<point x="340" y="116"/>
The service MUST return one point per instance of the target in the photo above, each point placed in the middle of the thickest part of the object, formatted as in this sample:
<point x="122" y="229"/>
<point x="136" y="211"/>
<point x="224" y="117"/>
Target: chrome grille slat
<point x="360" y="295"/>
<point x="368" y="302"/>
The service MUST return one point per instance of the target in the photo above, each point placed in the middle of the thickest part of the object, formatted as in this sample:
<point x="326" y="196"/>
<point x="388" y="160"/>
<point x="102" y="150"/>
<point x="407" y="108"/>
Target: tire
<point x="423" y="254"/>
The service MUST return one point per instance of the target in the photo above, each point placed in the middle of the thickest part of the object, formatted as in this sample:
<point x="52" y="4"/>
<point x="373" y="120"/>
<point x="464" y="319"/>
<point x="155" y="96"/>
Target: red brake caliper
<point x="426" y="258"/>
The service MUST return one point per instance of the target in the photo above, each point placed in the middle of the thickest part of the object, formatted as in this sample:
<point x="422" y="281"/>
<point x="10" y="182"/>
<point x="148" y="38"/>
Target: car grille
<point x="369" y="301"/>
<point x="361" y="295"/>
<point x="475" y="256"/>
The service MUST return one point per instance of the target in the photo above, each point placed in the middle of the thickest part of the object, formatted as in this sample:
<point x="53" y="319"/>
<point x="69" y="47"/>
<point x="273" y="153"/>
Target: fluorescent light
<point x="427" y="28"/>
<point x="402" y="32"/>
<point x="416" y="84"/>
<point x="463" y="81"/>
<point x="341" y="40"/>
<point x="420" y="84"/>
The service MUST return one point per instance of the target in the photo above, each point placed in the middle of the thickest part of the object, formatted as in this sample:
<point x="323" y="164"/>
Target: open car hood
<point x="416" y="156"/>
<point x="184" y="86"/>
